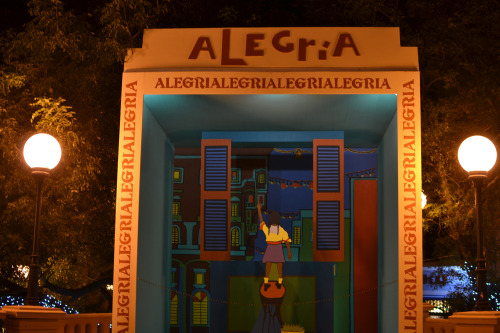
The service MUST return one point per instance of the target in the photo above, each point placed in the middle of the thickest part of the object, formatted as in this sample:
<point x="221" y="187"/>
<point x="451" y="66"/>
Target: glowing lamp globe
<point x="42" y="151"/>
<point x="424" y="199"/>
<point x="477" y="154"/>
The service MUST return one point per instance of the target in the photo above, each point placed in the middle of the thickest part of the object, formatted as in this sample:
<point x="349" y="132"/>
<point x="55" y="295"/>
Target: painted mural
<point x="272" y="276"/>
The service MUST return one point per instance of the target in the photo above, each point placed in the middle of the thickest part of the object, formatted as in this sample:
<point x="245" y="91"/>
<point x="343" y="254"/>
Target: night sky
<point x="13" y="14"/>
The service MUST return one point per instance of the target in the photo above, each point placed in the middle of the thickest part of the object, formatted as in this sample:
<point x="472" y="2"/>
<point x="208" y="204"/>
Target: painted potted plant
<point x="287" y="328"/>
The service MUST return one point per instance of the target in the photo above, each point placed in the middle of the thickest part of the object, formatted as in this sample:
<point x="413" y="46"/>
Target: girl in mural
<point x="275" y="236"/>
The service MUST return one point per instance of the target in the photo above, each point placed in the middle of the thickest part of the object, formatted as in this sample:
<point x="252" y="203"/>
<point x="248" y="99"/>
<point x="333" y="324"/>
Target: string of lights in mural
<point x="286" y="216"/>
<point x="361" y="174"/>
<point x="313" y="301"/>
<point x="286" y="183"/>
<point x="295" y="184"/>
<point x="355" y="151"/>
<point x="298" y="152"/>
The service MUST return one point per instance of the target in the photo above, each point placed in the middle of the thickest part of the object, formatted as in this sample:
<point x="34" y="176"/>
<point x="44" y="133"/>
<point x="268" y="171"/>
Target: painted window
<point x="178" y="175"/>
<point x="235" y="236"/>
<point x="176" y="209"/>
<point x="175" y="235"/>
<point x="173" y="277"/>
<point x="261" y="179"/>
<point x="235" y="207"/>
<point x="200" y="309"/>
<point x="199" y="278"/>
<point x="296" y="235"/>
<point x="174" y="309"/>
<point x="235" y="176"/>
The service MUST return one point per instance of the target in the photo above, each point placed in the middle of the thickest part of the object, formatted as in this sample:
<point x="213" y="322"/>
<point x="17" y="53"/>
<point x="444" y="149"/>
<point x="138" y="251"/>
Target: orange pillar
<point x="365" y="254"/>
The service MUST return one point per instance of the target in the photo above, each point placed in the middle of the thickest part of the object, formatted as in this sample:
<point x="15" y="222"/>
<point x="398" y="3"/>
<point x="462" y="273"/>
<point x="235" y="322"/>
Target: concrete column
<point x="476" y="322"/>
<point x="32" y="319"/>
<point x="427" y="308"/>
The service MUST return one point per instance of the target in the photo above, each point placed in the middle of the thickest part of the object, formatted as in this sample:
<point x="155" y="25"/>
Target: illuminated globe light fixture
<point x="42" y="153"/>
<point x="424" y="199"/>
<point x="477" y="155"/>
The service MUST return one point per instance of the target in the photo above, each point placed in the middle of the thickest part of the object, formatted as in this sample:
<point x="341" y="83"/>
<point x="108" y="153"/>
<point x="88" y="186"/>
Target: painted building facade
<point x="321" y="125"/>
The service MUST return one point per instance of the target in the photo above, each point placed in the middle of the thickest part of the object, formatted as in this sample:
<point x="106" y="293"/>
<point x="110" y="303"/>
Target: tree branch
<point x="76" y="293"/>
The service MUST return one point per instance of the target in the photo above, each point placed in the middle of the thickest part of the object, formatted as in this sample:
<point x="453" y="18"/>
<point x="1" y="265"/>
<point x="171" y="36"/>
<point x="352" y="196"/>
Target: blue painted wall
<point x="388" y="230"/>
<point x="154" y="245"/>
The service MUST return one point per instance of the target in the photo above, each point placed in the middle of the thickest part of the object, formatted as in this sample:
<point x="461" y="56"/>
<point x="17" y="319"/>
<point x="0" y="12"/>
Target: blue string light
<point x="47" y="301"/>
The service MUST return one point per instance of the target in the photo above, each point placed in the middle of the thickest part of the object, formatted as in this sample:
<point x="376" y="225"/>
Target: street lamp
<point x="42" y="153"/>
<point x="477" y="155"/>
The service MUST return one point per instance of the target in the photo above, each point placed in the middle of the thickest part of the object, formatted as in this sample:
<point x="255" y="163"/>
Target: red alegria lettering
<point x="277" y="42"/>
<point x="303" y="44"/>
<point x="252" y="45"/>
<point x="202" y="44"/>
<point x="345" y="41"/>
<point x="226" y="47"/>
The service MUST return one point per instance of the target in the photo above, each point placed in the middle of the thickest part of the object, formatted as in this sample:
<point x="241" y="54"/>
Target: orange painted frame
<point x="365" y="254"/>
<point x="215" y="195"/>
<point x="328" y="255"/>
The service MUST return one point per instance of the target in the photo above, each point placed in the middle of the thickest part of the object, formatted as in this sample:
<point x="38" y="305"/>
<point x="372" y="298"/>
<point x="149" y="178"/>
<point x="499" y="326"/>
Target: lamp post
<point x="477" y="155"/>
<point x="42" y="153"/>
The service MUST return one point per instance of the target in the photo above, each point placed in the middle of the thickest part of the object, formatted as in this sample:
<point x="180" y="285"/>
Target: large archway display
<point x="321" y="125"/>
